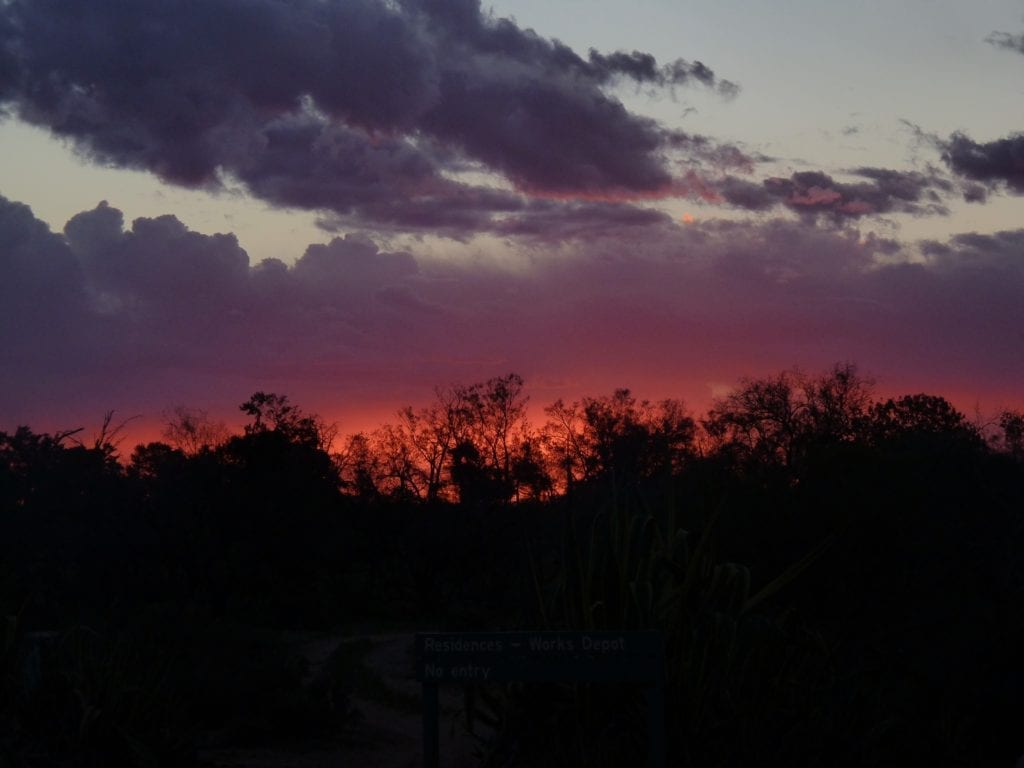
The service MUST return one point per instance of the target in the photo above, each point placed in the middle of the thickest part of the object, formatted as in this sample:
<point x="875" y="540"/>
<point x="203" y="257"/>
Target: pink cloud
<point x="815" y="196"/>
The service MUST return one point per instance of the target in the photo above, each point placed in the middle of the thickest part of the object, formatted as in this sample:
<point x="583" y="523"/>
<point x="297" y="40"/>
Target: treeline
<point x="475" y="444"/>
<point x="837" y="576"/>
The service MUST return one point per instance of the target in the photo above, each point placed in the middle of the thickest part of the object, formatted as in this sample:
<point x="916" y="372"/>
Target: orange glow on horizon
<point x="697" y="387"/>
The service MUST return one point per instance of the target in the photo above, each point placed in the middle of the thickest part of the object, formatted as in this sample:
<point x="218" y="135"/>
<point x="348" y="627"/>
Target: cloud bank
<point x="144" y="316"/>
<point x="367" y="108"/>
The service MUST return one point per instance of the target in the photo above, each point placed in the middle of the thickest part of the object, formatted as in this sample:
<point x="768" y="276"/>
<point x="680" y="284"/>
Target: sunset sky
<point x="353" y="201"/>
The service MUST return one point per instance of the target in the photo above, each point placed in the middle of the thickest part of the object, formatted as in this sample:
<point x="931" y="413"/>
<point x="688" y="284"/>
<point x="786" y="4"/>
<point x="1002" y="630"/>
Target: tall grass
<point x="633" y="565"/>
<point x="8" y="701"/>
<point x="100" y="698"/>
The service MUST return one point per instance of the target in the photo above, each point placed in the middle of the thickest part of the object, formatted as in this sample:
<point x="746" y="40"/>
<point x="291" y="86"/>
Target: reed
<point x="632" y="565"/>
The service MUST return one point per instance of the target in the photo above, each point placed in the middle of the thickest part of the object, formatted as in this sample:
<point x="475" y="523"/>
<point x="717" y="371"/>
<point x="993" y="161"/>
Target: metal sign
<point x="500" y="657"/>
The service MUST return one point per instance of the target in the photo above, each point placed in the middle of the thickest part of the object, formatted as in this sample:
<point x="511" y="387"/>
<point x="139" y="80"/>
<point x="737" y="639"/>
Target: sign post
<point x="536" y="657"/>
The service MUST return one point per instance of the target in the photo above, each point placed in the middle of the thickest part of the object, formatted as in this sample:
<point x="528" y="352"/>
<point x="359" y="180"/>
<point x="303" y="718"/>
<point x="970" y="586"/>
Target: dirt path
<point x="388" y="728"/>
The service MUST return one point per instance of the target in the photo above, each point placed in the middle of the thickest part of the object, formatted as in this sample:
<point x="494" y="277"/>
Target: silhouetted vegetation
<point x="837" y="577"/>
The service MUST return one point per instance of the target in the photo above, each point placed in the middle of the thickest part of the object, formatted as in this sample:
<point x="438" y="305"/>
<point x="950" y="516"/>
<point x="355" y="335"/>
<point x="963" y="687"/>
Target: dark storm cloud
<point x="993" y="163"/>
<point x="814" y="193"/>
<point x="349" y="106"/>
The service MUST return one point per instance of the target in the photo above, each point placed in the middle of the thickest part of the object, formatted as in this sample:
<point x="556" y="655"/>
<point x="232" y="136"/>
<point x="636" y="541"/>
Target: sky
<point x="353" y="202"/>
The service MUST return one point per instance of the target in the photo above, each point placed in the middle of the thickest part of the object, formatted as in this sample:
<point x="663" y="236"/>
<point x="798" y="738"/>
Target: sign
<point x="501" y="657"/>
<point x="535" y="657"/>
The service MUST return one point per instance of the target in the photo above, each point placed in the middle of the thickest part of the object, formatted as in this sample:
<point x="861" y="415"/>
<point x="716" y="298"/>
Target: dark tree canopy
<point x="837" y="576"/>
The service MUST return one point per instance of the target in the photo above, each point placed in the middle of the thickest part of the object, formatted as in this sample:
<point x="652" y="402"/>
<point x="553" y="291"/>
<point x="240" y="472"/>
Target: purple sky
<point x="353" y="202"/>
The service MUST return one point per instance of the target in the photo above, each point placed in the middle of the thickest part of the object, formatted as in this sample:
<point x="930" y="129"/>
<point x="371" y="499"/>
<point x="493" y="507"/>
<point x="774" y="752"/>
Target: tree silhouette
<point x="471" y="438"/>
<point x="837" y="404"/>
<point x="156" y="460"/>
<point x="478" y="483"/>
<point x="1012" y="424"/>
<point x="358" y="466"/>
<point x="191" y="430"/>
<point x="396" y="471"/>
<point x="274" y="413"/>
<point x="855" y="545"/>
<point x="494" y="414"/>
<point x="430" y="434"/>
<point x="777" y="419"/>
<point x="617" y="436"/>
<point x="922" y="419"/>
<point x="761" y="420"/>
<point x="529" y="473"/>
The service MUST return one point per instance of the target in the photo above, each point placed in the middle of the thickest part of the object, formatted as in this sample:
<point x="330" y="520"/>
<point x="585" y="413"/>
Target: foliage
<point x="271" y="412"/>
<point x="191" y="430"/>
<point x="633" y="567"/>
<point x="1012" y="425"/>
<point x="917" y="417"/>
<point x="776" y="420"/>
<point x="616" y="436"/>
<point x="837" y="578"/>
<point x="91" y="699"/>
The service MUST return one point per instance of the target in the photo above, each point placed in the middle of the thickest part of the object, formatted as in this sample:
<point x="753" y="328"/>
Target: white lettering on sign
<point x="460" y="645"/>
<point x="470" y="672"/>
<point x="555" y="645"/>
<point x="604" y="645"/>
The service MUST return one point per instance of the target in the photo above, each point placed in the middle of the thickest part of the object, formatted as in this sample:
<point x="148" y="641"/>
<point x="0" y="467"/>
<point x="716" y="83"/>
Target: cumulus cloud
<point x="348" y="265"/>
<point x="41" y="287"/>
<point x="142" y="315"/>
<point x="158" y="263"/>
<point x="359" y="107"/>
<point x="155" y="295"/>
